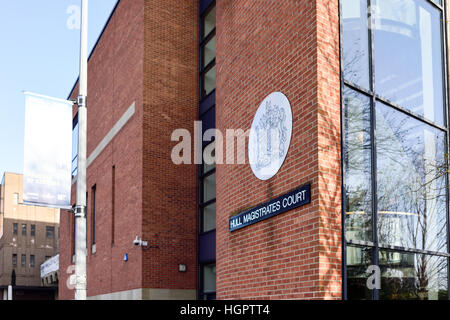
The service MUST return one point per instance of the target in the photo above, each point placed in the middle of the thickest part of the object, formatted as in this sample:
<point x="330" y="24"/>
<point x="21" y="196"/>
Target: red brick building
<point x="161" y="66"/>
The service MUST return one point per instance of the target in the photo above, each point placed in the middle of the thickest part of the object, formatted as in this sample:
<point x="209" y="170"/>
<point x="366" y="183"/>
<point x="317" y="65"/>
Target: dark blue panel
<point x="75" y="121"/>
<point x="204" y="4"/>
<point x="208" y="121"/>
<point x="208" y="102"/>
<point x="207" y="247"/>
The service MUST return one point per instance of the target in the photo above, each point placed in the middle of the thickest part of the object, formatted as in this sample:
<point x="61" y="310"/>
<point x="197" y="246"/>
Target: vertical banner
<point x="48" y="152"/>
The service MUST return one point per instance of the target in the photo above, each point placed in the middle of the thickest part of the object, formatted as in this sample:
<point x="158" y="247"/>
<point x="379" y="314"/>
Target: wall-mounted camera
<point x="139" y="242"/>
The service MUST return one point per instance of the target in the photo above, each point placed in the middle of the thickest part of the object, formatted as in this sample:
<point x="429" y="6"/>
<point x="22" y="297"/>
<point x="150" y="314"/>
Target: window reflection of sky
<point x="408" y="60"/>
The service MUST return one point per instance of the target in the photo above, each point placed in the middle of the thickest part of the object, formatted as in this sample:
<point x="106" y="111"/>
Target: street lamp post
<point x="80" y="208"/>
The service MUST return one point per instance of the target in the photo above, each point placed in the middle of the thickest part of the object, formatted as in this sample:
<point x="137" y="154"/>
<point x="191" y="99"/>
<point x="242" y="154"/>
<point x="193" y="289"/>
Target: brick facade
<point x="133" y="62"/>
<point x="115" y="81"/>
<point x="293" y="47"/>
<point x="170" y="102"/>
<point x="148" y="55"/>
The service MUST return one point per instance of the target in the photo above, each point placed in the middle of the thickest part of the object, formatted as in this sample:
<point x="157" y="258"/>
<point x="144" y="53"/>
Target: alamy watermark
<point x="189" y="149"/>
<point x="74" y="19"/>
<point x="223" y="148"/>
<point x="374" y="280"/>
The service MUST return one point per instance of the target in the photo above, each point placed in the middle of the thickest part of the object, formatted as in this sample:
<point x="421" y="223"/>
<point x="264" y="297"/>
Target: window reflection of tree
<point x="411" y="161"/>
<point x="411" y="204"/>
<point x="357" y="162"/>
<point x="411" y="196"/>
<point x="413" y="276"/>
<point x="411" y="183"/>
<point x="355" y="36"/>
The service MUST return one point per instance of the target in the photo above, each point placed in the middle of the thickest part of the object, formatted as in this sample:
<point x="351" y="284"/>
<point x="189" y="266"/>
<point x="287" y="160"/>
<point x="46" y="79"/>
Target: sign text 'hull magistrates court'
<point x="289" y="201"/>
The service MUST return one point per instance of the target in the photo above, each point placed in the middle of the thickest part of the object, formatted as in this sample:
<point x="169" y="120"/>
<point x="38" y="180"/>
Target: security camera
<point x="139" y="242"/>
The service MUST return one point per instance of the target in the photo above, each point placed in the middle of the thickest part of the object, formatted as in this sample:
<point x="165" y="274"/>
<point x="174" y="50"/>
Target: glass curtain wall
<point x="395" y="149"/>
<point x="207" y="172"/>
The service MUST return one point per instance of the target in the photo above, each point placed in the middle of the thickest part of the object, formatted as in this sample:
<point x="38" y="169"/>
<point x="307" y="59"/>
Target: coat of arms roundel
<point x="270" y="136"/>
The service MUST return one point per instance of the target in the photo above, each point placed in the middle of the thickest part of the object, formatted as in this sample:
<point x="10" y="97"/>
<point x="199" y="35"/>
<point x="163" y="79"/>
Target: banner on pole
<point x="47" y="170"/>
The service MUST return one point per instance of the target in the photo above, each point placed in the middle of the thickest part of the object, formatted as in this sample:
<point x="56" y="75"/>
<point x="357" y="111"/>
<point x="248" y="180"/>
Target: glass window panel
<point x="355" y="42"/>
<point x="209" y="187"/>
<point x="357" y="166"/>
<point x="209" y="81"/>
<point x="32" y="262"/>
<point x="14" y="260"/>
<point x="50" y="232"/>
<point x="209" y="278"/>
<point x="409" y="276"/>
<point x="209" y="22"/>
<point x="24" y="229"/>
<point x="358" y="261"/>
<point x="15" y="228"/>
<point x="23" y="260"/>
<point x="411" y="182"/>
<point x="208" y="167"/>
<point x="408" y="56"/>
<point x="209" y="51"/>
<point x="209" y="218"/>
<point x="208" y="152"/>
<point x="33" y="230"/>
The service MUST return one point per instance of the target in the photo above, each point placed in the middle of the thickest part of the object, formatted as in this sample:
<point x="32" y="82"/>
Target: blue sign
<point x="289" y="201"/>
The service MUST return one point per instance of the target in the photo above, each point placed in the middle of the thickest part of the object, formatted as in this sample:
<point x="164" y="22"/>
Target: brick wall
<point x="115" y="81"/>
<point x="156" y="67"/>
<point x="293" y="47"/>
<point x="170" y="102"/>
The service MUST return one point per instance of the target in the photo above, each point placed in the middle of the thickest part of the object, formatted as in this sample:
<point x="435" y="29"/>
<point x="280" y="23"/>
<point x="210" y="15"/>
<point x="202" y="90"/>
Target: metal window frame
<point x="203" y="40"/>
<point x="94" y="215"/>
<point x="374" y="98"/>
<point x="204" y="68"/>
<point x="202" y="203"/>
<point x="202" y="292"/>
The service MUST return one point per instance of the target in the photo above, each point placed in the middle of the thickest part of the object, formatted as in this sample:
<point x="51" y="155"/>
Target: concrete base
<point x="148" y="294"/>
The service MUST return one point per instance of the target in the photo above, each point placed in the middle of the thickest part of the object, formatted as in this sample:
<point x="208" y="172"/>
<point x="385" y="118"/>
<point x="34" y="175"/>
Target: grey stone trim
<point x="148" y="294"/>
<point x="108" y="138"/>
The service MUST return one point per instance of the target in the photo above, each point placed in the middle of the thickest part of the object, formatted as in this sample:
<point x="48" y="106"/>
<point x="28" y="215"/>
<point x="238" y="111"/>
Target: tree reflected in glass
<point x="357" y="166"/>
<point x="411" y="184"/>
<point x="409" y="276"/>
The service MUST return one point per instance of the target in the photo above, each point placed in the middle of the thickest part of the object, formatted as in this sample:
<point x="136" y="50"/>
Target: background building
<point x="28" y="237"/>
<point x="367" y="84"/>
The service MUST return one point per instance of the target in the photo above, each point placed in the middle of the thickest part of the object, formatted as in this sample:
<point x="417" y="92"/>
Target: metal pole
<point x="80" y="209"/>
<point x="10" y="293"/>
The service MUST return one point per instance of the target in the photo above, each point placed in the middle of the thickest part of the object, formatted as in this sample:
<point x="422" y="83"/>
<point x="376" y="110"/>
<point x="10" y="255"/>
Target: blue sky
<point x="39" y="53"/>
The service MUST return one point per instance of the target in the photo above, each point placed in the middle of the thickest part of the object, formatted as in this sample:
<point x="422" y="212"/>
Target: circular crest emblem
<point x="270" y="136"/>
